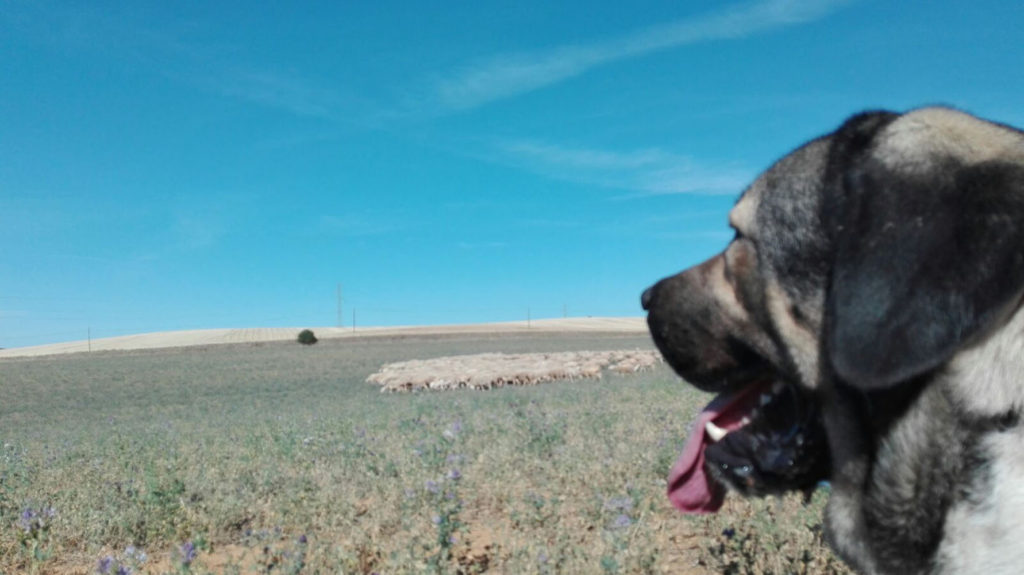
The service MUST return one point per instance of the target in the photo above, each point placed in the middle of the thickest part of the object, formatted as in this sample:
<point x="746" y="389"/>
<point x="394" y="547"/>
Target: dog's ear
<point x="928" y="256"/>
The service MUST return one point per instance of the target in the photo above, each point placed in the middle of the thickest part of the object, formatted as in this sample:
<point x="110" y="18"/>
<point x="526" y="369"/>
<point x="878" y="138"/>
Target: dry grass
<point x="279" y="458"/>
<point x="493" y="370"/>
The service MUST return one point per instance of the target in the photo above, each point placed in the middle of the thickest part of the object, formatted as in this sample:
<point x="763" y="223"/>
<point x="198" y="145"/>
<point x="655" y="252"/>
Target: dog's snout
<point x="646" y="297"/>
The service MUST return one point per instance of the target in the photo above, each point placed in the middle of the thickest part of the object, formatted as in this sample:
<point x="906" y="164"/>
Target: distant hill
<point x="191" y="338"/>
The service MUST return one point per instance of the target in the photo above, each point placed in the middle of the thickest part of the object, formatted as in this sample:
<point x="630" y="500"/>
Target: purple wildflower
<point x="133" y="554"/>
<point x="27" y="521"/>
<point x="436" y="520"/>
<point x="124" y="570"/>
<point x="105" y="564"/>
<point x="454" y="475"/>
<point x="31" y="520"/>
<point x="621" y="521"/>
<point x="452" y="432"/>
<point x="432" y="486"/>
<point x="619" y="504"/>
<point x="302" y="539"/>
<point x="188" y="553"/>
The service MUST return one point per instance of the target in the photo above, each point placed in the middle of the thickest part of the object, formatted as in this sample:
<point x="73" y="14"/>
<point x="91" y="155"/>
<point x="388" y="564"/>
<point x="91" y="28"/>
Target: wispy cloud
<point x="183" y="54"/>
<point x="202" y="220"/>
<point x="644" y="172"/>
<point x="547" y="223"/>
<point x="286" y="92"/>
<point x="509" y="75"/>
<point x="195" y="231"/>
<point x="583" y="158"/>
<point x="709" y="227"/>
<point x="356" y="226"/>
<point x="12" y="314"/>
<point x="721" y="235"/>
<point x="289" y="92"/>
<point x="482" y="245"/>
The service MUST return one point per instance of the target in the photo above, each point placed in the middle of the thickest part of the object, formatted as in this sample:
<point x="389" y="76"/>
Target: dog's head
<point x="863" y="259"/>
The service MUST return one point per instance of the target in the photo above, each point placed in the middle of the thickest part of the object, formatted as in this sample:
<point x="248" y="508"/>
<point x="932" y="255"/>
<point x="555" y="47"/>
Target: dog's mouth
<point x="766" y="437"/>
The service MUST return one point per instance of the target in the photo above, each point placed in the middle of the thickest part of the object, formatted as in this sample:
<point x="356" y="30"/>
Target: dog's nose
<point x="645" y="298"/>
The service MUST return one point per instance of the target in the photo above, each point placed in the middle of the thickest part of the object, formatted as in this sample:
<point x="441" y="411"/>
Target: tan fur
<point x="801" y="338"/>
<point x="920" y="139"/>
<point x="986" y="378"/>
<point x="986" y="536"/>
<point x="742" y="216"/>
<point x="724" y="290"/>
<point x="843" y="512"/>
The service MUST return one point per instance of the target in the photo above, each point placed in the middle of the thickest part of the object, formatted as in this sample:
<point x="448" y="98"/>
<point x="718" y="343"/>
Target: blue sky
<point x="191" y="165"/>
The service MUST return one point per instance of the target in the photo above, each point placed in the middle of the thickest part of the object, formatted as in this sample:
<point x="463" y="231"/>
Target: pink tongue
<point x="690" y="489"/>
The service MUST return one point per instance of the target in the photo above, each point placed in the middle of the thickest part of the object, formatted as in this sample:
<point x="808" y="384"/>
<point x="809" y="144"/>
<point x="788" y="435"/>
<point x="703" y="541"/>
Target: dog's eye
<point x="740" y="236"/>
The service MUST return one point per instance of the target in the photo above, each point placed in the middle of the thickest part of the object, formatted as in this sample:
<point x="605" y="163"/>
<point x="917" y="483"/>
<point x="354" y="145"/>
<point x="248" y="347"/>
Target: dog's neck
<point x="987" y="379"/>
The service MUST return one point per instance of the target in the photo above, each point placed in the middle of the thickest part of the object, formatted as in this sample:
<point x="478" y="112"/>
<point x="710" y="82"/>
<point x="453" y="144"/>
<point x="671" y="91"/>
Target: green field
<point x="279" y="458"/>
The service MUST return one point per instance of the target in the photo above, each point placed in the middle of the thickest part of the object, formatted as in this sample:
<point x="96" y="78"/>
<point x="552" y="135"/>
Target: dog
<point x="864" y="328"/>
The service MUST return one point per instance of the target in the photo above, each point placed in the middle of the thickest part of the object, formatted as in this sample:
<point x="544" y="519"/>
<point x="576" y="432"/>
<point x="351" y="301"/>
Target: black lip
<point x="784" y="448"/>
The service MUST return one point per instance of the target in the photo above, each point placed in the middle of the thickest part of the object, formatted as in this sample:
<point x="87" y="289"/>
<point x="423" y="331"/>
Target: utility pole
<point x="339" y="306"/>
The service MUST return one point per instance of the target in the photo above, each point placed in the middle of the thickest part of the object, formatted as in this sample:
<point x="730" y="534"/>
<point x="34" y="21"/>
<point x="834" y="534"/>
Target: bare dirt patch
<point x="491" y="370"/>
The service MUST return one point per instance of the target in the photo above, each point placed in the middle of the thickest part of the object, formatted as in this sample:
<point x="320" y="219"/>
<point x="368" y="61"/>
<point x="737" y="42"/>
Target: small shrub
<point x="306" y="337"/>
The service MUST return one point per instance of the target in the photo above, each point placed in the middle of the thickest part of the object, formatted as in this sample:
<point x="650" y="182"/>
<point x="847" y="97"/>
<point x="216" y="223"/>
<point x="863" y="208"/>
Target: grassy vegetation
<point x="280" y="458"/>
